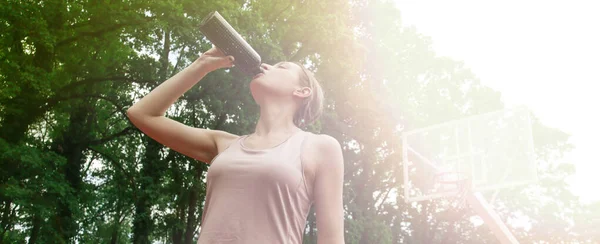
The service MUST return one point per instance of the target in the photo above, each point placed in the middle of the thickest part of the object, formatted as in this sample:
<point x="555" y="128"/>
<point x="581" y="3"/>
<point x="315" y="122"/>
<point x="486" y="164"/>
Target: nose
<point x="265" y="66"/>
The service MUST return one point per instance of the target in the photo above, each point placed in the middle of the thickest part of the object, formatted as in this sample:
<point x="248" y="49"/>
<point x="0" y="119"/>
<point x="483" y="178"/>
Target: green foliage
<point x="32" y="186"/>
<point x="73" y="169"/>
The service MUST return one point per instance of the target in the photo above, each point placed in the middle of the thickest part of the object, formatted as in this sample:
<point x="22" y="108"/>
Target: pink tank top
<point x="256" y="196"/>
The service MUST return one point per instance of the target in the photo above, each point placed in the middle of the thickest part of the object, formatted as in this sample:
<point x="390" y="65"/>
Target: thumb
<point x="229" y="60"/>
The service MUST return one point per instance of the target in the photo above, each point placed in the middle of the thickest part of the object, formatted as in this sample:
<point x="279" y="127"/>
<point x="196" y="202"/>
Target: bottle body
<point x="219" y="32"/>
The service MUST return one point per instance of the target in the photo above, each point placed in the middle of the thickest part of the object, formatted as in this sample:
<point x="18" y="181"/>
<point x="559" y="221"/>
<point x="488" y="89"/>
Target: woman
<point x="260" y="186"/>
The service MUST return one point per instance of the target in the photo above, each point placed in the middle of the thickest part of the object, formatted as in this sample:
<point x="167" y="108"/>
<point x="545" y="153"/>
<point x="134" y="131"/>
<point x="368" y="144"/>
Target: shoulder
<point x="323" y="143"/>
<point x="323" y="150"/>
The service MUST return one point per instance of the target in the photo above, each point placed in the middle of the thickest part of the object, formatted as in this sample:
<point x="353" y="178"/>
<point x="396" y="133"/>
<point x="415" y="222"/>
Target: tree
<point x="72" y="167"/>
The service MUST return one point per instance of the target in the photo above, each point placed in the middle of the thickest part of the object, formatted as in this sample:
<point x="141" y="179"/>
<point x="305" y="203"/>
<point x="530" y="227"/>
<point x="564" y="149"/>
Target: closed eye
<point x="281" y="65"/>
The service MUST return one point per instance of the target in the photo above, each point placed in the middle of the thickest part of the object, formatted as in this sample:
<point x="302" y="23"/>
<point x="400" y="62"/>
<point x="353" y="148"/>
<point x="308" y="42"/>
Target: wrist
<point x="199" y="65"/>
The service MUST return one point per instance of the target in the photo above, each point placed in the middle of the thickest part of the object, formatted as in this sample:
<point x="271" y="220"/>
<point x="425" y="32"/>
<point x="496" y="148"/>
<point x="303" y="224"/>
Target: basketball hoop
<point x="455" y="180"/>
<point x="456" y="161"/>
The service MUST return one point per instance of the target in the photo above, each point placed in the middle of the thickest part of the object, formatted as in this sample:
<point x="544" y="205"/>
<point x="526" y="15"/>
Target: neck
<point x="276" y="119"/>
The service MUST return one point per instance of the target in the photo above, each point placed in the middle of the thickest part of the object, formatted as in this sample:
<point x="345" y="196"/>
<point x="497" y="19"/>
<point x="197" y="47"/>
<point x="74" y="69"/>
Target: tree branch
<point x="87" y="168"/>
<point x="53" y="101"/>
<point x="101" y="32"/>
<point x="97" y="33"/>
<point x="6" y="217"/>
<point x="123" y="132"/>
<point x="274" y="17"/>
<point x="116" y="164"/>
<point x="300" y="53"/>
<point x="379" y="198"/>
<point x="74" y="85"/>
<point x="178" y="62"/>
<point x="125" y="214"/>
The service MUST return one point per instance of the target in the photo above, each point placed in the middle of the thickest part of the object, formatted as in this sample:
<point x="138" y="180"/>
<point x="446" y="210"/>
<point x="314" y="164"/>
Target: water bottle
<point x="223" y="36"/>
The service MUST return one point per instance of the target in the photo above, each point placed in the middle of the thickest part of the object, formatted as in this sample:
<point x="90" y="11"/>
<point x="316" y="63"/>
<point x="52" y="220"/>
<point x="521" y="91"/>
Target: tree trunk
<point x="177" y="230"/>
<point x="193" y="201"/>
<point x="71" y="145"/>
<point x="114" y="238"/>
<point x="5" y="219"/>
<point x="150" y="175"/>
<point x="35" y="230"/>
<point x="151" y="169"/>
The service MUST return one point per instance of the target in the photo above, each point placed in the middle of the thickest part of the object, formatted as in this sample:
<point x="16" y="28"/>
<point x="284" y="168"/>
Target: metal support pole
<point x="491" y="218"/>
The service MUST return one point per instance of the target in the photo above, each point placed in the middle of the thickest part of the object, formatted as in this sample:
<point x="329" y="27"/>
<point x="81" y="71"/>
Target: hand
<point x="214" y="59"/>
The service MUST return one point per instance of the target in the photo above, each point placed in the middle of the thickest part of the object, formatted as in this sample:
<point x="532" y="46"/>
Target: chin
<point x="259" y="86"/>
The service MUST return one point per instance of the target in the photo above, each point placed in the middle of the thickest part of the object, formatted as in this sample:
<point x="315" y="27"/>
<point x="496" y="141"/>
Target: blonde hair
<point x="312" y="107"/>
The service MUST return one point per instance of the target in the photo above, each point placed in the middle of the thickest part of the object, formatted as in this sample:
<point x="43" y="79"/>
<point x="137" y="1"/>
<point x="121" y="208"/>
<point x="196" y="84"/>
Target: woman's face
<point x="281" y="79"/>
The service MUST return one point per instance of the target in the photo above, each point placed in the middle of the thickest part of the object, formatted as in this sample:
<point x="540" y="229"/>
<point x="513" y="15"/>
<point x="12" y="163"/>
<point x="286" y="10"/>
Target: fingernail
<point x="231" y="58"/>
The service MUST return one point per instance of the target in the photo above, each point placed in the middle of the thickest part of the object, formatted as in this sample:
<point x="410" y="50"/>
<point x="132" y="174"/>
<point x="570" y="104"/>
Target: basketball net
<point x="455" y="180"/>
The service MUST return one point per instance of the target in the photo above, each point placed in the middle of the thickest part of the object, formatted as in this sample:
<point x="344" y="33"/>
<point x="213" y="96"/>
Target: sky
<point x="542" y="54"/>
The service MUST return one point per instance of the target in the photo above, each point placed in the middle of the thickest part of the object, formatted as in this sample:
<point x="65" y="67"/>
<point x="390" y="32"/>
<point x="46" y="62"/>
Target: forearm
<point x="166" y="94"/>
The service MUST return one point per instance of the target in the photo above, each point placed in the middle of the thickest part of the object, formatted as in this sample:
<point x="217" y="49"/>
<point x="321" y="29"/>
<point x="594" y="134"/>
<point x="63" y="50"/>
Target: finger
<point x="230" y="60"/>
<point x="213" y="51"/>
<point x="219" y="52"/>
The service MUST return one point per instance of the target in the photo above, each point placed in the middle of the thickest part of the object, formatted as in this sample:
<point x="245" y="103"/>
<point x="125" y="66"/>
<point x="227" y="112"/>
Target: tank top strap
<point x="236" y="145"/>
<point x="293" y="146"/>
<point x="293" y="150"/>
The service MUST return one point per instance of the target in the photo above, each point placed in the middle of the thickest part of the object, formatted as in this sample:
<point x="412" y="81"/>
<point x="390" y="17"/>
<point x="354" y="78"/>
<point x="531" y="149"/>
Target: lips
<point x="262" y="72"/>
<point x="257" y="75"/>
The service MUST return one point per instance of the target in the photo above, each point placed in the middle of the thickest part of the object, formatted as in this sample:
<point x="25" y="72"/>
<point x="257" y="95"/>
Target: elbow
<point x="135" y="115"/>
<point x="138" y="112"/>
<point x="132" y="113"/>
<point x="135" y="112"/>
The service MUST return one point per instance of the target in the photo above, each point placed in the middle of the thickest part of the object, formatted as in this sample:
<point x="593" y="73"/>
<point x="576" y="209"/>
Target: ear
<point x="303" y="92"/>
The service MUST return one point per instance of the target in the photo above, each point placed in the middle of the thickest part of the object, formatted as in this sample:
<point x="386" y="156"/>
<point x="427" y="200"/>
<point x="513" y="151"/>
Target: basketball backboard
<point x="492" y="150"/>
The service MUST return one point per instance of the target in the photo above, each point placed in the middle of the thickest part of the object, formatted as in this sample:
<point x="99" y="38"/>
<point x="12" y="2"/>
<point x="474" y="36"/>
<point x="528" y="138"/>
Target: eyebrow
<point x="285" y="64"/>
